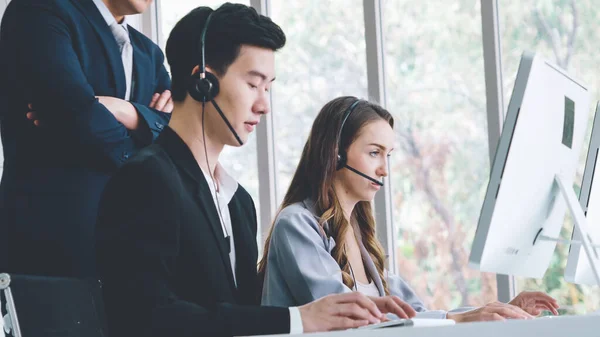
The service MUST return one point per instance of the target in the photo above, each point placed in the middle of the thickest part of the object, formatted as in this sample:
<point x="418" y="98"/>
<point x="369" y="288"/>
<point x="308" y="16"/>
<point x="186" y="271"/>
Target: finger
<point x="543" y="296"/>
<point x="153" y="100"/>
<point x="394" y="308"/>
<point x="360" y="299"/>
<point x="343" y="323"/>
<point x="162" y="100"/>
<point x="546" y="305"/>
<point x="554" y="303"/>
<point x="509" y="312"/>
<point x="535" y="311"/>
<point x="169" y="106"/>
<point x="354" y="311"/>
<point x="36" y="123"/>
<point x="511" y="307"/>
<point x="540" y="296"/>
<point x="496" y="317"/>
<point x="30" y="106"/>
<point x="410" y="312"/>
<point x="30" y="115"/>
<point x="520" y="311"/>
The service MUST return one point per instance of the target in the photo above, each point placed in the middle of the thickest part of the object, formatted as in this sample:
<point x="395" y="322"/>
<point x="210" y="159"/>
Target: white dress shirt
<point x="226" y="188"/>
<point x="110" y="20"/>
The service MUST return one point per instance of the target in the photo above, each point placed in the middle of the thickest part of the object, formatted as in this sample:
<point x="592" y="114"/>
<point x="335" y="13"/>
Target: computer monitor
<point x="578" y="268"/>
<point x="541" y="139"/>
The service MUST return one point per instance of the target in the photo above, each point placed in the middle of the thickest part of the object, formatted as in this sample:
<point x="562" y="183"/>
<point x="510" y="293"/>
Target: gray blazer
<point x="300" y="268"/>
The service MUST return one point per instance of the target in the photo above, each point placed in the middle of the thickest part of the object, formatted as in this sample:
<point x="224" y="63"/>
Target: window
<point x="564" y="32"/>
<point x="240" y="162"/>
<point x="324" y="58"/>
<point x="435" y="89"/>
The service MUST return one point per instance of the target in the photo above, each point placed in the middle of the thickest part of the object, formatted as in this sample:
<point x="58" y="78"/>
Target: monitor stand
<point x="10" y="322"/>
<point x="580" y="224"/>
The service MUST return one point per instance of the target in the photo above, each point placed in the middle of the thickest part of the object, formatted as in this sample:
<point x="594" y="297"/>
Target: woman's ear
<point x="195" y="70"/>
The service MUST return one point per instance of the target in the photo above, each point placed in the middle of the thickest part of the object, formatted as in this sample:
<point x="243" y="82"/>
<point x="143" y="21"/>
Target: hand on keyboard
<point x="495" y="311"/>
<point x="534" y="302"/>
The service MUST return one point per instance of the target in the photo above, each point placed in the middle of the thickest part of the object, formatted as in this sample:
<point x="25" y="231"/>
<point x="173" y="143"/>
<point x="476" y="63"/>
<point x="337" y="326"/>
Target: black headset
<point x="204" y="86"/>
<point x="342" y="159"/>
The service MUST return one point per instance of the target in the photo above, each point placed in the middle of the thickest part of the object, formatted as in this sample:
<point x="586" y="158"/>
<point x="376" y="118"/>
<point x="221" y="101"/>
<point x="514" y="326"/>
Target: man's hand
<point x="394" y="305"/>
<point x="494" y="311"/>
<point x="339" y="312"/>
<point x="162" y="102"/>
<point x="32" y="116"/>
<point x="534" y="302"/>
<point x="123" y="111"/>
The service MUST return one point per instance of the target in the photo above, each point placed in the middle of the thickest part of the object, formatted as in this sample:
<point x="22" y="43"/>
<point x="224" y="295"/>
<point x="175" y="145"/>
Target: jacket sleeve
<point x="59" y="89"/>
<point x="303" y="261"/>
<point x="154" y="120"/>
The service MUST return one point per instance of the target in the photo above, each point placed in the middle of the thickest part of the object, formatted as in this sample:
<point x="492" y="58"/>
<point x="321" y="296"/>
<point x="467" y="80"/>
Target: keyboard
<point x="413" y="322"/>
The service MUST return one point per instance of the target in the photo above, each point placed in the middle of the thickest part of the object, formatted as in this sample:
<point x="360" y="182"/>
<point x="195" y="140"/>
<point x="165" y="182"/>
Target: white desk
<point x="563" y="326"/>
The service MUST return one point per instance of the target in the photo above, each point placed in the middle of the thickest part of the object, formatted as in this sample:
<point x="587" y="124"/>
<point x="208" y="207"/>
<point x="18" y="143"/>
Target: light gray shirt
<point x="301" y="269"/>
<point x="110" y="21"/>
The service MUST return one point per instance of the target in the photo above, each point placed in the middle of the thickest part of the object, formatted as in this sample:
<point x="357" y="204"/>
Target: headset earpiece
<point x="341" y="158"/>
<point x="341" y="161"/>
<point x="203" y="89"/>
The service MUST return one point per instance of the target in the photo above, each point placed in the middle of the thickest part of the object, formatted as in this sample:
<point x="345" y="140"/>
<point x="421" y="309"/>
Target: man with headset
<point x="176" y="235"/>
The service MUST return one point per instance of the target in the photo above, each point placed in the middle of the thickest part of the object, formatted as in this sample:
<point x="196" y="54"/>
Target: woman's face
<point x="368" y="154"/>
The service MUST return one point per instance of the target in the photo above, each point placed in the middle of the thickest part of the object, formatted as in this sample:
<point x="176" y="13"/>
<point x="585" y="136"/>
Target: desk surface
<point x="562" y="326"/>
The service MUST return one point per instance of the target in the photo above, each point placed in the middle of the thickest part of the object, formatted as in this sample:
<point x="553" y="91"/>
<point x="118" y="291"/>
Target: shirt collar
<point x="107" y="15"/>
<point x="226" y="184"/>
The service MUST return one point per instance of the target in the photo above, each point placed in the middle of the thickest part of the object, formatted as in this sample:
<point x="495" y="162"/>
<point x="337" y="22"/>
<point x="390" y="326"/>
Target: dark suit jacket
<point x="59" y="55"/>
<point x="162" y="257"/>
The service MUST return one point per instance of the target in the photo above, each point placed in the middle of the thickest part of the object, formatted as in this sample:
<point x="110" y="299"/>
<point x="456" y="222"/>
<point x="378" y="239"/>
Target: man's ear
<point x="210" y="70"/>
<point x="197" y="70"/>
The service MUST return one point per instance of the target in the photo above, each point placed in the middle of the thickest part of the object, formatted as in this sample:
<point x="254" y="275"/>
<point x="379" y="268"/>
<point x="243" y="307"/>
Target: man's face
<point x="243" y="94"/>
<point x="130" y="7"/>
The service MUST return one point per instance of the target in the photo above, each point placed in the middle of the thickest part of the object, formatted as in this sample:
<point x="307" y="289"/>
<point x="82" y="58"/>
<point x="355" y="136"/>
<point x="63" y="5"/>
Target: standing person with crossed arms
<point x="82" y="91"/>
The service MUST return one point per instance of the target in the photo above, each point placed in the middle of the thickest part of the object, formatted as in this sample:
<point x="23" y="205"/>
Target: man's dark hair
<point x="231" y="26"/>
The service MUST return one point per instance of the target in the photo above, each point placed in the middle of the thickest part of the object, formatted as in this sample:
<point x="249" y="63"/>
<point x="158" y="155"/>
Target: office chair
<point x="52" y="306"/>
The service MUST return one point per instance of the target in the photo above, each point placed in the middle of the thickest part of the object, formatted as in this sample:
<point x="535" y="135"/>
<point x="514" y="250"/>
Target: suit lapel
<point x="184" y="159"/>
<point x="109" y="43"/>
<point x="206" y="202"/>
<point x="245" y="248"/>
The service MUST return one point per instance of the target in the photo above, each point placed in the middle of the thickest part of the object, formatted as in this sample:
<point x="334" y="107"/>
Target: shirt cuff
<point x="295" y="321"/>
